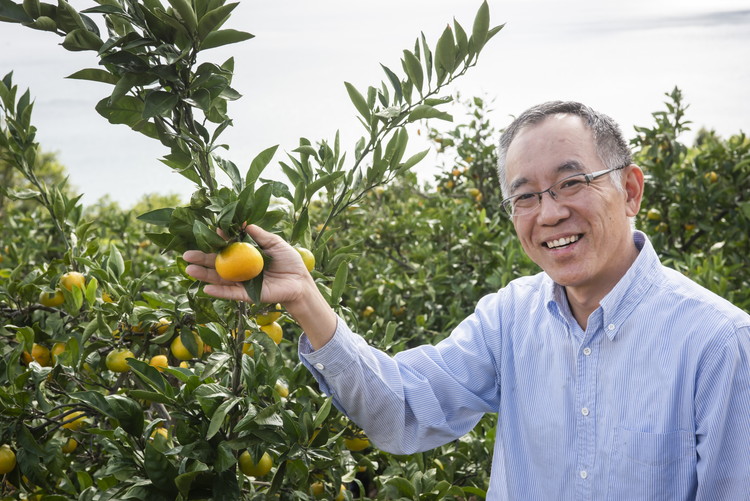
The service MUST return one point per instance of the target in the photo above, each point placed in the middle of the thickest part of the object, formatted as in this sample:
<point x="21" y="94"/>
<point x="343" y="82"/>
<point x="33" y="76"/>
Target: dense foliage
<point x="135" y="385"/>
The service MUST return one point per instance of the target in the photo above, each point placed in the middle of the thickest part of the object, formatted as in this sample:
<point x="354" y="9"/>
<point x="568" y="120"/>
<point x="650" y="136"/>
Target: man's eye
<point x="525" y="197"/>
<point x="571" y="183"/>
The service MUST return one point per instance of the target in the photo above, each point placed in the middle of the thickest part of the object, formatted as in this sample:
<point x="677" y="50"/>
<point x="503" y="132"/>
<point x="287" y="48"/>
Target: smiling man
<point x="614" y="377"/>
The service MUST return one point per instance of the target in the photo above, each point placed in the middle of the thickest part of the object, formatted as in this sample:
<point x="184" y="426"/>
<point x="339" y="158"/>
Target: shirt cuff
<point x="334" y="357"/>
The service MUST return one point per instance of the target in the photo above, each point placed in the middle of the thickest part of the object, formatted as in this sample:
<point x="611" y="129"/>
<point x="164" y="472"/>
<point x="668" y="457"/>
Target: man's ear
<point x="633" y="184"/>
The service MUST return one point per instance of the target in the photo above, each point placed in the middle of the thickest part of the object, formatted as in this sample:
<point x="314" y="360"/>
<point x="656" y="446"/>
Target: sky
<point x="618" y="57"/>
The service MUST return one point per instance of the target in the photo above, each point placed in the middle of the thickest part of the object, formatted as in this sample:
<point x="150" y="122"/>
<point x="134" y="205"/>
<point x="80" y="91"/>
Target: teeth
<point x="560" y="242"/>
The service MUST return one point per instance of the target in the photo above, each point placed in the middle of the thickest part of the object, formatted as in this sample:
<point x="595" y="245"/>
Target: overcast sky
<point x="619" y="57"/>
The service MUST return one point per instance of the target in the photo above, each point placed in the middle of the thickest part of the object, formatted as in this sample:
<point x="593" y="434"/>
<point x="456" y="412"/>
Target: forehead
<point x="539" y="151"/>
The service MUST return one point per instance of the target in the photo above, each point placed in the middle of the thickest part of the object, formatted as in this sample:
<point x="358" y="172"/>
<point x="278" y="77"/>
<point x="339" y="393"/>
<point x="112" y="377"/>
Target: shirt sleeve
<point x="414" y="401"/>
<point x="722" y="407"/>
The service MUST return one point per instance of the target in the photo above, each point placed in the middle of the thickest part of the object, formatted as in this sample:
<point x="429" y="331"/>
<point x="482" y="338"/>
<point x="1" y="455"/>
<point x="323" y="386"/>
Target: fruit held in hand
<point x="238" y="262"/>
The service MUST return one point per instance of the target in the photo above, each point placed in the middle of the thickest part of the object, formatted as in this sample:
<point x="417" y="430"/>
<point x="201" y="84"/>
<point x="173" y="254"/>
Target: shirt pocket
<point x="652" y="466"/>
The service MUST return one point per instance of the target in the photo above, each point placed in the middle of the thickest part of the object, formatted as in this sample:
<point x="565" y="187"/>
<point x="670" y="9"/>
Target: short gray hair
<point x="609" y="142"/>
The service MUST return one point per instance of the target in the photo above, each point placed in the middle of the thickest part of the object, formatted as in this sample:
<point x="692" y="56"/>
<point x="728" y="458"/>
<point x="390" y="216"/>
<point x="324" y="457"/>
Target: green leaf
<point x="95" y="75"/>
<point x="159" y="469"/>
<point x="259" y="163"/>
<point x="224" y="37"/>
<point x="260" y="203"/>
<point x="322" y="414"/>
<point x="127" y="412"/>
<point x="404" y="487"/>
<point x="321" y="182"/>
<point x="424" y="111"/>
<point x="395" y="82"/>
<point x="445" y="52"/>
<point x="414" y="159"/>
<point x="253" y="288"/>
<point x="207" y="239"/>
<point x="43" y="23"/>
<point x="339" y="283"/>
<point x="218" y="417"/>
<point x="159" y="103"/>
<point x="481" y="26"/>
<point x="159" y="217"/>
<point x="12" y="12"/>
<point x="150" y="396"/>
<point x="213" y="19"/>
<point x="186" y="13"/>
<point x="358" y="100"/>
<point x="82" y="39"/>
<point x="413" y="68"/>
<point x="115" y="263"/>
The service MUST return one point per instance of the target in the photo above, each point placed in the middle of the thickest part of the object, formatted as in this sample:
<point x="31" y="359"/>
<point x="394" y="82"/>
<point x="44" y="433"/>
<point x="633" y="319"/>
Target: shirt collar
<point x="619" y="303"/>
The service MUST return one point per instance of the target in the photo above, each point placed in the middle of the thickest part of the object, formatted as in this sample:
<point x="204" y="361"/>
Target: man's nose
<point x="551" y="210"/>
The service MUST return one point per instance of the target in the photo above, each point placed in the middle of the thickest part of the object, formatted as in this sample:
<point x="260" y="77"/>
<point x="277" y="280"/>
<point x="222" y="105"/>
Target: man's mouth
<point x="562" y="242"/>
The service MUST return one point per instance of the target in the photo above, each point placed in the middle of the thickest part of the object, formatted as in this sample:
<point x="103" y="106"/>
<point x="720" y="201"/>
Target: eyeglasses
<point x="565" y="189"/>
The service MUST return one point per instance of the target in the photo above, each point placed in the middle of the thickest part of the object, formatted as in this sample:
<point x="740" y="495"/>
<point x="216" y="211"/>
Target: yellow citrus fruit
<point x="356" y="444"/>
<point x="184" y="365"/>
<point x="74" y="421"/>
<point x="653" y="215"/>
<point x="249" y="468"/>
<point x="307" y="257"/>
<point x="116" y="360"/>
<point x="342" y="493"/>
<point x="711" y="177"/>
<point x="39" y="354"/>
<point x="181" y="352"/>
<point x="160" y="431"/>
<point x="281" y="389"/>
<point x="317" y="489"/>
<point x="107" y="298"/>
<point x="239" y="261"/>
<point x="7" y="459"/>
<point x="51" y="299"/>
<point x="57" y="348"/>
<point x="248" y="349"/>
<point x="369" y="310"/>
<point x="159" y="361"/>
<point x="72" y="279"/>
<point x="456" y="172"/>
<point x="274" y="331"/>
<point x="271" y="316"/>
<point x="70" y="445"/>
<point x="162" y="325"/>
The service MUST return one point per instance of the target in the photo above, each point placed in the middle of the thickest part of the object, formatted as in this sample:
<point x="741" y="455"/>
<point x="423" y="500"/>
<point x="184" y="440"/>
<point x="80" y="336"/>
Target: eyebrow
<point x="572" y="166"/>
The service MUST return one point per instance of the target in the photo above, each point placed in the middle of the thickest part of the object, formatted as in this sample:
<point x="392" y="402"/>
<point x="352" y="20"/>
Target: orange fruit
<point x="116" y="360"/>
<point x="356" y="444"/>
<point x="57" y="348"/>
<point x="51" y="299"/>
<point x="239" y="262"/>
<point x="74" y="421"/>
<point x="7" y="459"/>
<point x="249" y="468"/>
<point x="180" y="351"/>
<point x="269" y="317"/>
<point x="274" y="331"/>
<point x="70" y="445"/>
<point x="39" y="354"/>
<point x="73" y="279"/>
<point x="307" y="257"/>
<point x="159" y="361"/>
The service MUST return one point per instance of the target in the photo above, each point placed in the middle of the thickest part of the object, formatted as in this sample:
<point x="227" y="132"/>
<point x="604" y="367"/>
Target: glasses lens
<point x="570" y="186"/>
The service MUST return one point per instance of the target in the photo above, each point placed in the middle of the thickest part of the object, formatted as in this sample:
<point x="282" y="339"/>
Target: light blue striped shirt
<point x="650" y="402"/>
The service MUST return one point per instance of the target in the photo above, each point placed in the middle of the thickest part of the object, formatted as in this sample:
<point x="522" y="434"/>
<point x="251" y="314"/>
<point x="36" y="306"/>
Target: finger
<point x="264" y="238"/>
<point x="199" y="258"/>
<point x="204" y="274"/>
<point x="230" y="292"/>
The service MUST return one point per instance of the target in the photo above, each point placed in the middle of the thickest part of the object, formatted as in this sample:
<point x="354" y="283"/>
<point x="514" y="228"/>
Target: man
<point x="613" y="377"/>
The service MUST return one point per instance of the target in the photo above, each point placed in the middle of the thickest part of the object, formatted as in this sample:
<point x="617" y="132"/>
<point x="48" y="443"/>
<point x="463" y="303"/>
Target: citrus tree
<point x="120" y="378"/>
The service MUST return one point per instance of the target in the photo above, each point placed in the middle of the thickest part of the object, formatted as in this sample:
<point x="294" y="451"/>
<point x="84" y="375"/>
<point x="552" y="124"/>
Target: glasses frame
<point x="587" y="176"/>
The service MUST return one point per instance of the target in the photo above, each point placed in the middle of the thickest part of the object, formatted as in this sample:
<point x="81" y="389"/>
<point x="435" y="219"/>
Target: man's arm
<point x="722" y="408"/>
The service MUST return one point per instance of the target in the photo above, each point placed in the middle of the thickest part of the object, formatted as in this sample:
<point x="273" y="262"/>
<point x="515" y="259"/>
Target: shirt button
<point x="611" y="327"/>
<point x="320" y="367"/>
<point x="585" y="411"/>
<point x="584" y="474"/>
<point x="587" y="351"/>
